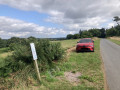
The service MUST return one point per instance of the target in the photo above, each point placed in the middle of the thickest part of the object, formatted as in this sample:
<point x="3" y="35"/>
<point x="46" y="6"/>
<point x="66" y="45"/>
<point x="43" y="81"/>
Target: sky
<point x="54" y="18"/>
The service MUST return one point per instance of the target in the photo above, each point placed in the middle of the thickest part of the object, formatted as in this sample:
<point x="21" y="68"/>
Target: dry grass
<point x="115" y="38"/>
<point x="95" y="38"/>
<point x="4" y="55"/>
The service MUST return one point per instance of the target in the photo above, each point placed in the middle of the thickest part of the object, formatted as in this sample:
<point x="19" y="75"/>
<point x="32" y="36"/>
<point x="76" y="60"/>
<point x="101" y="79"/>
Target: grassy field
<point x="87" y="64"/>
<point x="68" y="43"/>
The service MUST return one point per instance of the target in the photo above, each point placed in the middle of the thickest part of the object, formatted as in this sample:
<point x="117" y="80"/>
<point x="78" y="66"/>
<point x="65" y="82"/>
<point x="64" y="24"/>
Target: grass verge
<point x="115" y="41"/>
<point x="89" y="64"/>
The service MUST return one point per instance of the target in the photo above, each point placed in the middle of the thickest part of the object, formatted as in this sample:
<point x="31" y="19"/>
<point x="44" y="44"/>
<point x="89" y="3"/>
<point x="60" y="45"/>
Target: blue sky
<point x="27" y="16"/>
<point x="54" y="18"/>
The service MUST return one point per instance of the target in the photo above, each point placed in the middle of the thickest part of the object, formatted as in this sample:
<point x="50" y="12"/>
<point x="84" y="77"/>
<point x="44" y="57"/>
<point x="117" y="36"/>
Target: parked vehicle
<point x="85" y="44"/>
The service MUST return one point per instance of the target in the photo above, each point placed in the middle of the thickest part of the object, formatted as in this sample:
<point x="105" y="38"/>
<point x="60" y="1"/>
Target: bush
<point x="46" y="51"/>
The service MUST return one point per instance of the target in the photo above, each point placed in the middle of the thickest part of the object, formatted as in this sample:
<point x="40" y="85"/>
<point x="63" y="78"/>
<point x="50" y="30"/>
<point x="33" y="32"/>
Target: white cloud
<point x="12" y="27"/>
<point x="72" y="14"/>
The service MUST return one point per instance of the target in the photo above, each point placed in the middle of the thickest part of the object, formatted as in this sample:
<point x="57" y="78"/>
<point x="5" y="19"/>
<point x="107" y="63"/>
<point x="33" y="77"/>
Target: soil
<point x="72" y="77"/>
<point x="70" y="50"/>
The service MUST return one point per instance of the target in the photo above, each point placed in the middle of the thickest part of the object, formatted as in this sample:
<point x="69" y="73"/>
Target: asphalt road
<point x="111" y="57"/>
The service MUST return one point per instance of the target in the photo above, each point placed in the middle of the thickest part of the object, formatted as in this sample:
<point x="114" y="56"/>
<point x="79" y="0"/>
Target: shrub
<point x="57" y="51"/>
<point x="46" y="51"/>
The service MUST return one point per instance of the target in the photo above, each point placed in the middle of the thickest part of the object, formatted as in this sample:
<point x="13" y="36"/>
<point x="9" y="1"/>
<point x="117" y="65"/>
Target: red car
<point x="85" y="44"/>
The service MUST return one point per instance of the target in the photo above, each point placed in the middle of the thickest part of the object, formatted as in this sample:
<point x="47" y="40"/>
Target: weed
<point x="90" y="79"/>
<point x="73" y="71"/>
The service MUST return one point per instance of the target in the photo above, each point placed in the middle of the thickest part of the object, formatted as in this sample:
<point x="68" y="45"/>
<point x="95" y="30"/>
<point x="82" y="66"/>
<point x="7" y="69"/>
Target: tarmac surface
<point x="110" y="53"/>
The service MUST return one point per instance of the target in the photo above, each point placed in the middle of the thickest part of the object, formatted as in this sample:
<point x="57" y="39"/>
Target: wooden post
<point x="37" y="70"/>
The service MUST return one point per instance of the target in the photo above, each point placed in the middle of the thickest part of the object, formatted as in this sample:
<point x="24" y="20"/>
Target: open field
<point x="86" y="64"/>
<point x="66" y="44"/>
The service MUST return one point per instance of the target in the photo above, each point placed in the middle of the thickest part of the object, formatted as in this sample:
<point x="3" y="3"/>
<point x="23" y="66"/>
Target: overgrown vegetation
<point x="87" y="63"/>
<point x="21" y="62"/>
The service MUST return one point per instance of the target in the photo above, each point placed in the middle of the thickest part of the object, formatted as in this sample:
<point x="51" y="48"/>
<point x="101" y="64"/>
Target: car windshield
<point x="85" y="41"/>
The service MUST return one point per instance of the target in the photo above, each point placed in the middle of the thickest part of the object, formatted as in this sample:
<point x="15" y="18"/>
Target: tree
<point x="102" y="33"/>
<point x="2" y="43"/>
<point x="111" y="32"/>
<point x="116" y="19"/>
<point x="76" y="36"/>
<point x="86" y="34"/>
<point x="118" y="30"/>
<point x="69" y="36"/>
<point x="94" y="32"/>
<point x="80" y="33"/>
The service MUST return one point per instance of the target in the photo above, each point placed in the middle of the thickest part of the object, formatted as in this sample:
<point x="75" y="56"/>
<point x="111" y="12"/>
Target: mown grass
<point x="115" y="41"/>
<point x="87" y="63"/>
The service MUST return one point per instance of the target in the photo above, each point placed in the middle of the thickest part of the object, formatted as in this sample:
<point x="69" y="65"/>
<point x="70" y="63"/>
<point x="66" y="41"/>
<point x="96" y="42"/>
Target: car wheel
<point x="77" y="51"/>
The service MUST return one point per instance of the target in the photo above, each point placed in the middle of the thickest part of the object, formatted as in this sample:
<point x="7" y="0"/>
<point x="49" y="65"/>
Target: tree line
<point x="95" y="32"/>
<point x="88" y="34"/>
<point x="15" y="40"/>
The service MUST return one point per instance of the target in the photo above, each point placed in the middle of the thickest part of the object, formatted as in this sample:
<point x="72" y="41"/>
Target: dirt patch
<point x="72" y="77"/>
<point x="70" y="50"/>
